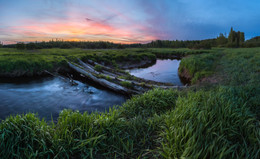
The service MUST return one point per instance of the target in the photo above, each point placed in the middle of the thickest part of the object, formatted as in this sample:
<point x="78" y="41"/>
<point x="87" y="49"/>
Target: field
<point x="216" y="117"/>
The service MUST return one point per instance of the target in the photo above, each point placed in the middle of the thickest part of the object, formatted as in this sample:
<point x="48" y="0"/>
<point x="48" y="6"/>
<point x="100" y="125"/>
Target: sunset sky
<point x="125" y="21"/>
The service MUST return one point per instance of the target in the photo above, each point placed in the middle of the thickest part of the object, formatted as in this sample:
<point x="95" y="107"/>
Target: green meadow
<point x="12" y="60"/>
<point x="217" y="116"/>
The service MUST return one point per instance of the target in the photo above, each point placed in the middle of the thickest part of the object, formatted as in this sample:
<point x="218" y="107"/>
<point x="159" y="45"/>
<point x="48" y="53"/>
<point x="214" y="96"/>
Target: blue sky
<point x="125" y="21"/>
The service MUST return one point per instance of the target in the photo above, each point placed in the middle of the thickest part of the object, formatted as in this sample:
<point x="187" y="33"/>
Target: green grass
<point x="199" y="66"/>
<point x="98" y="68"/>
<point x="211" y="124"/>
<point x="221" y="121"/>
<point x="234" y="65"/>
<point x="13" y="60"/>
<point x="241" y="66"/>
<point x="164" y="123"/>
<point x="126" y="84"/>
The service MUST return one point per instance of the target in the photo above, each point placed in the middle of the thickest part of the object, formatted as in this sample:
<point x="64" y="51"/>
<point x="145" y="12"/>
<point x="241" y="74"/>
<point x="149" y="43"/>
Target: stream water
<point x="161" y="71"/>
<point x="49" y="96"/>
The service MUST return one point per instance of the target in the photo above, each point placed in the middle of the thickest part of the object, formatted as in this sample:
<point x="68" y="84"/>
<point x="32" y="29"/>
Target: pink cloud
<point x="81" y="30"/>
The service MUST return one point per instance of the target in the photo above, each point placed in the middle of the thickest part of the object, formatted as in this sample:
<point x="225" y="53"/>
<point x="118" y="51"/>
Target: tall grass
<point x="199" y="66"/>
<point x="25" y="136"/>
<point x="211" y="124"/>
<point x="203" y="124"/>
<point x="151" y="103"/>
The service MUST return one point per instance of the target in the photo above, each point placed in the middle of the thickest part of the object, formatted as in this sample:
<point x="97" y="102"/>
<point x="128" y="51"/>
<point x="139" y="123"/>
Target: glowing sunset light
<point x="134" y="21"/>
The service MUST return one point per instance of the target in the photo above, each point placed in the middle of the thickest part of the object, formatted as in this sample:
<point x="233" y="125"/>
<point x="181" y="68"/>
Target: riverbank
<point x="16" y="63"/>
<point x="206" y="120"/>
<point x="90" y="64"/>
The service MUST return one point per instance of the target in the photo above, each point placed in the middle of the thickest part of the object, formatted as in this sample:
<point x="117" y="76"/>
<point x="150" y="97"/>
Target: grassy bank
<point x="195" y="67"/>
<point x="30" y="62"/>
<point x="220" y="121"/>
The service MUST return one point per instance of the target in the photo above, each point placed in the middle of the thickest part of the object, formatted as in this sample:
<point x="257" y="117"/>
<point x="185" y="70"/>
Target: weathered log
<point x="113" y="73"/>
<point x="106" y="68"/>
<point x="136" y="85"/>
<point x="144" y="82"/>
<point x="87" y="66"/>
<point x="103" y="82"/>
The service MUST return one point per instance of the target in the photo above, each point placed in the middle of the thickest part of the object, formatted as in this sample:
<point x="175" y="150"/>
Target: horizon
<point x="125" y="22"/>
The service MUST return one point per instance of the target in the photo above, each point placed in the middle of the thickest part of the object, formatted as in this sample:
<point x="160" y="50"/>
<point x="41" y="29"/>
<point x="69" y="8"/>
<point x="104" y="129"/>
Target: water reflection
<point x="49" y="96"/>
<point x="161" y="71"/>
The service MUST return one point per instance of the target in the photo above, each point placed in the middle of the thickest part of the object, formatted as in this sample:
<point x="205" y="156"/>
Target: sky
<point x="125" y="21"/>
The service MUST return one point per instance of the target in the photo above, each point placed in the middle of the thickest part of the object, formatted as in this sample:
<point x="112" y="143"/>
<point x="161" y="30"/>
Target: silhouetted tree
<point x="20" y="46"/>
<point x="235" y="39"/>
<point x="242" y="37"/>
<point x="31" y="46"/>
<point x="221" y="40"/>
<point x="120" y="46"/>
<point x="65" y="45"/>
<point x="231" y="36"/>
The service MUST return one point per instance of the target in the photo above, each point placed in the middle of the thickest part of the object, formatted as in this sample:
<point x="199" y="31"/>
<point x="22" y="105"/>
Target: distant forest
<point x="234" y="39"/>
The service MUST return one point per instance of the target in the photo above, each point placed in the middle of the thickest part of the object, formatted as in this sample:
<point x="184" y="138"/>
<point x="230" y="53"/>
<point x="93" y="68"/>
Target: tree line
<point x="67" y="45"/>
<point x="234" y="39"/>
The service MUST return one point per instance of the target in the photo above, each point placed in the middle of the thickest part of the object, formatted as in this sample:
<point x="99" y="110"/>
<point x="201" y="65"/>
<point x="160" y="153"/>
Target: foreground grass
<point x="217" y="122"/>
<point x="166" y="123"/>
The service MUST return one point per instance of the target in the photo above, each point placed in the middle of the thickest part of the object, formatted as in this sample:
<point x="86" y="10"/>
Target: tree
<point x="231" y="36"/>
<point x="221" y="39"/>
<point x="242" y="37"/>
<point x="235" y="39"/>
<point x="65" y="45"/>
<point x="120" y="46"/>
<point x="20" y="46"/>
<point x="1" y="44"/>
<point x="31" y="46"/>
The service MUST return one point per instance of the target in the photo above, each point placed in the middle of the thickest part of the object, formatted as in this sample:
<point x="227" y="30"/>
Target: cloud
<point x="126" y="21"/>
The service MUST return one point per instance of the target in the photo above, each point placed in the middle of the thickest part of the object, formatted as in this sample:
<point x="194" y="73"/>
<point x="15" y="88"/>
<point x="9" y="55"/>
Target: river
<point x="164" y="70"/>
<point x="50" y="95"/>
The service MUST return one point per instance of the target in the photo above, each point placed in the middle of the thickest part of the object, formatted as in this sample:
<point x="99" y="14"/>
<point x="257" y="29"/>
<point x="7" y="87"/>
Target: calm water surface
<point x="161" y="71"/>
<point x="49" y="96"/>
